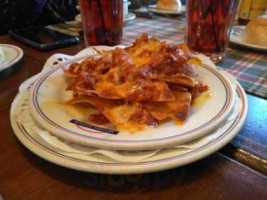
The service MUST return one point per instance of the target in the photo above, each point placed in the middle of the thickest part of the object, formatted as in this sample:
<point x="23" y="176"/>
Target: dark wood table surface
<point x="238" y="171"/>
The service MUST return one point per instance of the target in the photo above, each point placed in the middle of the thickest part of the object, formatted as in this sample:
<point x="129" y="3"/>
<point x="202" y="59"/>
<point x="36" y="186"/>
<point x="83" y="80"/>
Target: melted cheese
<point x="137" y="86"/>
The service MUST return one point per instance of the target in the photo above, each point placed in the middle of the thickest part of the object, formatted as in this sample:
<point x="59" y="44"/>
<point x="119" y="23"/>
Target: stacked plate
<point x="237" y="38"/>
<point x="60" y="133"/>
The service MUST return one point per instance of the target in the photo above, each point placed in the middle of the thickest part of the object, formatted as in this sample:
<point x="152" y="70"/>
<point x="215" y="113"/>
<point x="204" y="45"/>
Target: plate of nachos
<point x="147" y="95"/>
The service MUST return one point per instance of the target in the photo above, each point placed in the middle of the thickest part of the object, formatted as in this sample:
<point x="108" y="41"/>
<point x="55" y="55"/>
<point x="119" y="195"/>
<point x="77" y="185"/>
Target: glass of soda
<point x="102" y="21"/>
<point x="209" y="25"/>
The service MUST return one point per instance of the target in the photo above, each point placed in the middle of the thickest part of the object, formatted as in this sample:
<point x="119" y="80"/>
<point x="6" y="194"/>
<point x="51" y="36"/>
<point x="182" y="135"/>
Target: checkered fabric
<point x="250" y="68"/>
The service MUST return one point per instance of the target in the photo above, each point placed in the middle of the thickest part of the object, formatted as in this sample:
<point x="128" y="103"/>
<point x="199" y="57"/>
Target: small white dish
<point x="154" y="9"/>
<point x="236" y="38"/>
<point x="50" y="87"/>
<point x="12" y="54"/>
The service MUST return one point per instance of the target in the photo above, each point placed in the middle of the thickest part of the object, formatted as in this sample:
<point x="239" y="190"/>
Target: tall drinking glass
<point x="209" y="24"/>
<point x="102" y="21"/>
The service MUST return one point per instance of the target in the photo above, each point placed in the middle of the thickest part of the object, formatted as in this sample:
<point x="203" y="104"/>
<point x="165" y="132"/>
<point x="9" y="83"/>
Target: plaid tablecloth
<point x="249" y="67"/>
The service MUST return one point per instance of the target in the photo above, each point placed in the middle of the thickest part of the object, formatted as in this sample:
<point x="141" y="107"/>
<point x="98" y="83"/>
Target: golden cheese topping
<point x="138" y="86"/>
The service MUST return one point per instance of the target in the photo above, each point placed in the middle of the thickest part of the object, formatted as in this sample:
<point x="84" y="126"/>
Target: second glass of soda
<point x="209" y="24"/>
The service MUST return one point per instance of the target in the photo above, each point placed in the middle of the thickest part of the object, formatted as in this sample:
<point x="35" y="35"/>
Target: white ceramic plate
<point x="236" y="38"/>
<point x="160" y="162"/>
<point x="154" y="9"/>
<point x="129" y="17"/>
<point x="12" y="54"/>
<point x="73" y="126"/>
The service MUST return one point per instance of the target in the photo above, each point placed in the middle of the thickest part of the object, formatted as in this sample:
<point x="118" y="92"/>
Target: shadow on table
<point x="129" y="183"/>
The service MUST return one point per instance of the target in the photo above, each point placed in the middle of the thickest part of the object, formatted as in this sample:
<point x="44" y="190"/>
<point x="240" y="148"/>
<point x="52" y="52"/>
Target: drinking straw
<point x="203" y="9"/>
<point x="204" y="14"/>
<point x="115" y="4"/>
<point x="102" y="20"/>
<point x="214" y="31"/>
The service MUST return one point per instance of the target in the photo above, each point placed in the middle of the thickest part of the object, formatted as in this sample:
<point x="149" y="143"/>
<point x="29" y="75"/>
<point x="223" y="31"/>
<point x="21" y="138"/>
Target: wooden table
<point x="227" y="174"/>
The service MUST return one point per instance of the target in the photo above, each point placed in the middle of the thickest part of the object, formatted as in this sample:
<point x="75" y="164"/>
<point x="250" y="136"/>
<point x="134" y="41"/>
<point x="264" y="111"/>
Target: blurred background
<point x="16" y="14"/>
